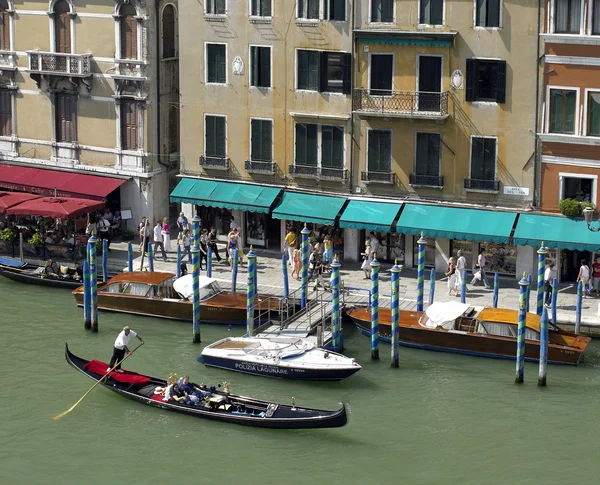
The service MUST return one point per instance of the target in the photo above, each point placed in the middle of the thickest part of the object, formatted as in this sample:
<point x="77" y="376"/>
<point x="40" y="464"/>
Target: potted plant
<point x="37" y="241"/>
<point x="573" y="208"/>
<point x="8" y="234"/>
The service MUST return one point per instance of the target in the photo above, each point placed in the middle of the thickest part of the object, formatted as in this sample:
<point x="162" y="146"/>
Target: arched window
<point x="168" y="32"/>
<point x="62" y="27"/>
<point x="4" y="26"/>
<point x="129" y="32"/>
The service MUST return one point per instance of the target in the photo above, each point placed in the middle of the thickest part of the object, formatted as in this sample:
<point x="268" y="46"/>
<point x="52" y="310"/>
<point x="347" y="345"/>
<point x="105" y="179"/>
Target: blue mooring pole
<point x="304" y="294"/>
<point x="540" y="278"/>
<point x="150" y="257"/>
<point x="234" y="270"/>
<point x="580" y="290"/>
<point x="496" y="290"/>
<point x="523" y="284"/>
<point x="335" y="305"/>
<point x="543" y="348"/>
<point x="286" y="283"/>
<point x="87" y="322"/>
<point x="178" y="268"/>
<point x="250" y="294"/>
<point x="129" y="258"/>
<point x="104" y="260"/>
<point x="528" y="297"/>
<point x="395" y="330"/>
<point x="421" y="242"/>
<point x="375" y="308"/>
<point x="209" y="262"/>
<point x="196" y="293"/>
<point x="255" y="278"/>
<point x="431" y="285"/>
<point x="463" y="287"/>
<point x="93" y="285"/>
<point x="554" y="298"/>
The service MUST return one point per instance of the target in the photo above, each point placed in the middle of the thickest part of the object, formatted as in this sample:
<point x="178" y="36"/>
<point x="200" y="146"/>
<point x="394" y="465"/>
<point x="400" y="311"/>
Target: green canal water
<point x="438" y="419"/>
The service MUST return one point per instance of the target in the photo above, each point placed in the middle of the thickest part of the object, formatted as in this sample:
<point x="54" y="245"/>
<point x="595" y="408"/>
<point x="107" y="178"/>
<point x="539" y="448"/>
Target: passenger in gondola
<point x="174" y="393"/>
<point x="192" y="393"/>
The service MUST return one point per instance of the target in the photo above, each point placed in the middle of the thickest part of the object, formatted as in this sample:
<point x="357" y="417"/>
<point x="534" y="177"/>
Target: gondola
<point x="217" y="405"/>
<point x="25" y="273"/>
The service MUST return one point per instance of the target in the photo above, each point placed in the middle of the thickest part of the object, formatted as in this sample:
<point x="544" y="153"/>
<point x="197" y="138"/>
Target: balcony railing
<point x="479" y="184"/>
<point x="329" y="173"/>
<point x="313" y="172"/>
<point x="378" y="177"/>
<point x="426" y="180"/>
<point x="254" y="166"/>
<point x="215" y="163"/>
<point x="130" y="68"/>
<point x="78" y="65"/>
<point x="381" y="102"/>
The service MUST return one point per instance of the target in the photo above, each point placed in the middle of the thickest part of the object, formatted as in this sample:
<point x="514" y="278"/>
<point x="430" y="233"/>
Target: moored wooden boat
<point x="216" y="405"/>
<point x="154" y="294"/>
<point x="487" y="332"/>
<point x="45" y="276"/>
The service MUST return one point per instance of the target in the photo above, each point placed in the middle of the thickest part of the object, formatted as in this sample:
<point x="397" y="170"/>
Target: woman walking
<point x="166" y="233"/>
<point x="451" y="274"/>
<point x="327" y="251"/>
<point x="367" y="258"/>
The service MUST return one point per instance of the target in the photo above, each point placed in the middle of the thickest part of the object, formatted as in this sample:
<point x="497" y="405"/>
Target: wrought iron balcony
<point x="402" y="104"/>
<point x="256" y="166"/>
<point x="378" y="177"/>
<point x="129" y="68"/>
<point x="215" y="163"/>
<point x="323" y="173"/>
<point x="479" y="184"/>
<point x="304" y="171"/>
<point x="417" y="180"/>
<point x="329" y="173"/>
<point x="59" y="64"/>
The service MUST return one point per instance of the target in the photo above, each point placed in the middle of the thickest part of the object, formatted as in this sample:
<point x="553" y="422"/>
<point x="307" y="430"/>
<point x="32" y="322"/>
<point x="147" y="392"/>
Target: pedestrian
<point x="297" y="264"/>
<point x="290" y="244"/>
<point x="212" y="243"/>
<point x="596" y="275"/>
<point x="451" y="274"/>
<point x="143" y="230"/>
<point x="182" y="225"/>
<point x="461" y="264"/>
<point x="166" y="234"/>
<point x="203" y="247"/>
<point x="327" y="252"/>
<point x="481" y="265"/>
<point x="549" y="276"/>
<point x="158" y="240"/>
<point x="367" y="258"/>
<point x="374" y="243"/>
<point x="232" y="242"/>
<point x="104" y="230"/>
<point x="187" y="243"/>
<point x="120" y="348"/>
<point x="584" y="276"/>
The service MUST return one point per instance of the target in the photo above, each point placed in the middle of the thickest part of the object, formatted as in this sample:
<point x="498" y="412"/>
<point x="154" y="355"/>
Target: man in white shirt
<point x="549" y="276"/>
<point x="121" y="347"/>
<point x="158" y="240"/>
<point x="104" y="230"/>
<point x="481" y="263"/>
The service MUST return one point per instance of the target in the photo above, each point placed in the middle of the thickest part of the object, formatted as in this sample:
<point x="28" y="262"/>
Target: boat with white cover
<point x="283" y="357"/>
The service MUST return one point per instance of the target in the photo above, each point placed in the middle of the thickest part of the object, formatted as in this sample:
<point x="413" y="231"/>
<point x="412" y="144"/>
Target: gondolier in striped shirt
<point x="121" y="347"/>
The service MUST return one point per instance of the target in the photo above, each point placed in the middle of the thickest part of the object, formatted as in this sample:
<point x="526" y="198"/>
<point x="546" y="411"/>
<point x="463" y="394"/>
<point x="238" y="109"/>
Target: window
<point x="129" y="34"/>
<point x="66" y="117"/>
<point x="308" y="9"/>
<point x="483" y="158"/>
<point x="4" y="26"/>
<point x="335" y="10"/>
<point x="381" y="73"/>
<point x="331" y="154"/>
<point x="129" y="124"/>
<point x="580" y="189"/>
<point x="567" y="16"/>
<point x="332" y="146"/>
<point x="562" y="111"/>
<point x="215" y="144"/>
<point x="427" y="159"/>
<point x="168" y="32"/>
<point x="593" y="114"/>
<point x="261" y="8"/>
<point x="431" y="12"/>
<point x="260" y="66"/>
<point x="62" y="27"/>
<point x="486" y="80"/>
<point x="382" y="11"/>
<point x="324" y="71"/>
<point x="596" y="17"/>
<point x="216" y="57"/>
<point x="215" y="7"/>
<point x="5" y="112"/>
<point x="261" y="140"/>
<point x="379" y="151"/>
<point x="306" y="144"/>
<point x="487" y="13"/>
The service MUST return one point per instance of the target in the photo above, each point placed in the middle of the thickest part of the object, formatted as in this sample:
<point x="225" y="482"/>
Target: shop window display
<point x="255" y="228"/>
<point x="429" y="252"/>
<point x="466" y="250"/>
<point x="500" y="258"/>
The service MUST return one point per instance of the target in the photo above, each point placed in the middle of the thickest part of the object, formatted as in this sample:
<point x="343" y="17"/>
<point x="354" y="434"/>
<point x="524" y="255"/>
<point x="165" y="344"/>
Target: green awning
<point x="555" y="232"/>
<point x="372" y="216"/>
<point x="456" y="223"/>
<point x="228" y="195"/>
<point x="321" y="209"/>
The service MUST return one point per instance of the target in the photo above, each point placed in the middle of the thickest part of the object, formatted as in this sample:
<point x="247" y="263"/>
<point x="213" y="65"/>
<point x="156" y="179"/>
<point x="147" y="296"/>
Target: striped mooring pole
<point x="540" y="280"/>
<point x="395" y="330"/>
<point x="234" y="270"/>
<point x="87" y="322"/>
<point x="255" y="277"/>
<point x="150" y="257"/>
<point x="463" y="287"/>
<point x="335" y="305"/>
<point x="195" y="250"/>
<point x="305" y="232"/>
<point x="209" y="262"/>
<point x="129" y="257"/>
<point x="543" y="348"/>
<point x="250" y="293"/>
<point x="431" y="285"/>
<point x="496" y="291"/>
<point x="104" y="260"/>
<point x="578" y="306"/>
<point x="375" y="307"/>
<point x="196" y="231"/>
<point x="523" y="284"/>
<point x="93" y="285"/>
<point x="528" y="297"/>
<point x="178" y="268"/>
<point x="421" y="272"/>
<point x="286" y="282"/>
<point x="554" y="299"/>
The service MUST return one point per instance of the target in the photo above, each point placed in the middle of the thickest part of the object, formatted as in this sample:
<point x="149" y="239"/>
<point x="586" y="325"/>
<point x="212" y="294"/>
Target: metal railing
<point x="400" y="102"/>
<point x="328" y="173"/>
<point x="426" y="180"/>
<point x="59" y="63"/>
<point x="258" y="166"/>
<point x="216" y="163"/>
<point x="480" y="184"/>
<point x="379" y="177"/>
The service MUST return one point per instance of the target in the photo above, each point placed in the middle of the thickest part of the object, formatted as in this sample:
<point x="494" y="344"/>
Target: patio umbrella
<point x="10" y="199"/>
<point x="56" y="207"/>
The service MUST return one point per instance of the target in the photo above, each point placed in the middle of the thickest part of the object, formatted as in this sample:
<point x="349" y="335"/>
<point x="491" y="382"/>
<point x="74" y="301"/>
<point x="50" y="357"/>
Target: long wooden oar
<point x="99" y="381"/>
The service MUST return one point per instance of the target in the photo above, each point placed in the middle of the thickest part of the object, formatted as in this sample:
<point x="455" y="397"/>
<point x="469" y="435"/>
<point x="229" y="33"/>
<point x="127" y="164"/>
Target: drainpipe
<point x="537" y="176"/>
<point x="157" y="62"/>
<point x="352" y="80"/>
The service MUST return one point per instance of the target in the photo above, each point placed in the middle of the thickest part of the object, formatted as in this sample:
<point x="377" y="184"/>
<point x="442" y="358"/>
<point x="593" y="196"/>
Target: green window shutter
<point x="477" y="158"/>
<point x="220" y="136"/>
<point x="471" y="80"/>
<point x="301" y="141"/>
<point x="489" y="154"/>
<point x="593" y="113"/>
<point x="302" y="69"/>
<point x="210" y="137"/>
<point x="385" y="163"/>
<point x="338" y="147"/>
<point x="374" y="149"/>
<point x="313" y="70"/>
<point x="481" y="13"/>
<point x="267" y="140"/>
<point x="327" y="146"/>
<point x="221" y="64"/>
<point x="493" y="13"/>
<point x="437" y="12"/>
<point x="433" y="154"/>
<point x="323" y="61"/>
<point x="255" y="141"/>
<point x="387" y="10"/>
<point x="311" y="144"/>
<point x="425" y="12"/>
<point x="265" y="67"/>
<point x="254" y="62"/>
<point x="570" y="111"/>
<point x="556" y="110"/>
<point x="501" y="82"/>
<point x="211" y="64"/>
<point x="265" y="8"/>
<point x="421" y="155"/>
<point x="347" y="83"/>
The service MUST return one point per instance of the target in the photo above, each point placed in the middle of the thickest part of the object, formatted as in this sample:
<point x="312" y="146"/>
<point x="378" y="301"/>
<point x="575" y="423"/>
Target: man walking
<point x="104" y="230"/>
<point x="120" y="348"/>
<point x="158" y="240"/>
<point x="549" y="276"/>
<point x="182" y="225"/>
<point x="481" y="264"/>
<point x="290" y="245"/>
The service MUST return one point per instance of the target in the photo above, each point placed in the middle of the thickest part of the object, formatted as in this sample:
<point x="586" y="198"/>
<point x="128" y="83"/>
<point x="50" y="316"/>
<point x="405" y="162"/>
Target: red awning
<point x="53" y="182"/>
<point x="56" y="207"/>
<point x="8" y="199"/>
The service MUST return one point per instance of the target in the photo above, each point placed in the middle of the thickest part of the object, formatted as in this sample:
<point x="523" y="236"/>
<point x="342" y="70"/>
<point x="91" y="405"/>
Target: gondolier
<point x="121" y="347"/>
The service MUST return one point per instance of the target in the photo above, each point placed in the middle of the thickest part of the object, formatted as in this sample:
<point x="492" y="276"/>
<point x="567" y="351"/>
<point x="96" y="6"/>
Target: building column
<point x="351" y="242"/>
<point x="526" y="261"/>
<point x="408" y="251"/>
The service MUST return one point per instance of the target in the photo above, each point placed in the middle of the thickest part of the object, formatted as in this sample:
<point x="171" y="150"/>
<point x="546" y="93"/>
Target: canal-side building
<point x="81" y="103"/>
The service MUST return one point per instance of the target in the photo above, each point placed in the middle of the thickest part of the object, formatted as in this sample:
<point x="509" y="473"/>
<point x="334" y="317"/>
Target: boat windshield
<point x="210" y="290"/>
<point x="505" y="330"/>
<point x="127" y="288"/>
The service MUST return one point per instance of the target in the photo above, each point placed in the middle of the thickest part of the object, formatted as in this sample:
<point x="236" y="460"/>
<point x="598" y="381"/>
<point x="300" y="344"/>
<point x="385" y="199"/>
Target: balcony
<point x="371" y="177"/>
<point x="215" y="163"/>
<point x="434" y="181"/>
<point x="260" y="167"/>
<point x="479" y="185"/>
<point x="55" y="63"/>
<point x="400" y="104"/>
<point x="129" y="69"/>
<point x="320" y="173"/>
<point x="335" y="174"/>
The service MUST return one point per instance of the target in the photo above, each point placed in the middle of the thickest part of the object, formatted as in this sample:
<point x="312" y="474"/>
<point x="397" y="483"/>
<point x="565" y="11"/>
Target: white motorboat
<point x="283" y="357"/>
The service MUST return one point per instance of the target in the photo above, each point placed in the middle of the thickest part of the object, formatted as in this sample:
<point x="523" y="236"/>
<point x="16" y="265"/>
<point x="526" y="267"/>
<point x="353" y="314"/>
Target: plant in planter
<point x="8" y="234"/>
<point x="36" y="240"/>
<point x="570" y="207"/>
